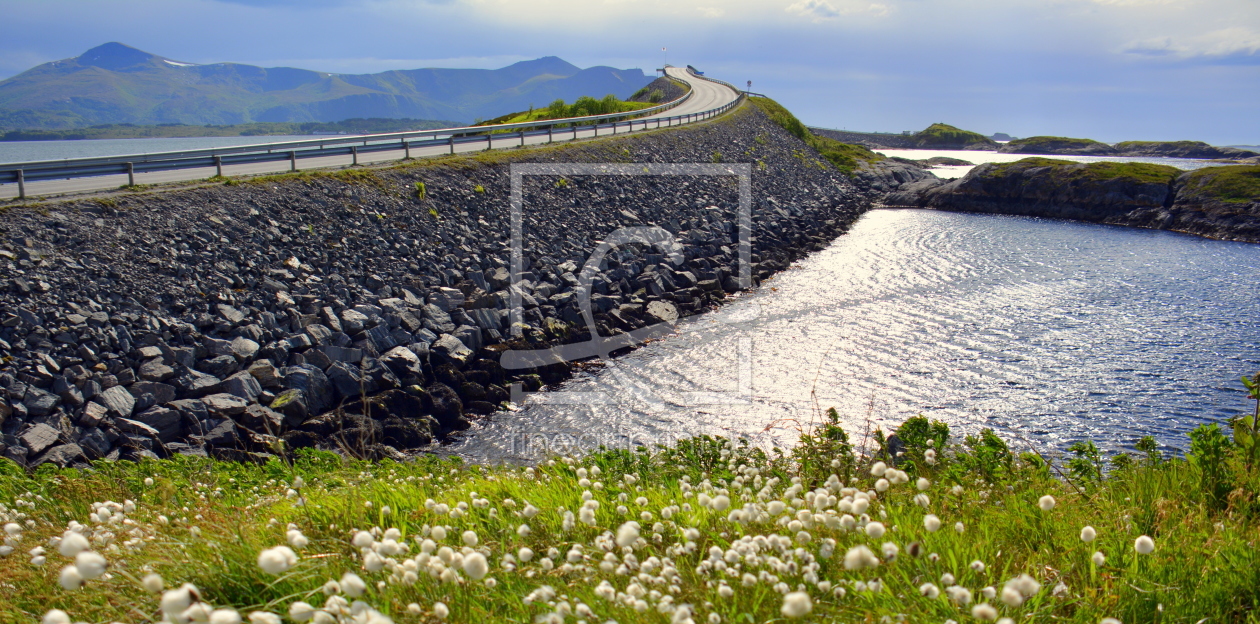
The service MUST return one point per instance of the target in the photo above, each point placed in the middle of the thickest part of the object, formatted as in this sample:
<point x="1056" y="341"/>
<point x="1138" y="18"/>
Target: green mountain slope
<point x="115" y="83"/>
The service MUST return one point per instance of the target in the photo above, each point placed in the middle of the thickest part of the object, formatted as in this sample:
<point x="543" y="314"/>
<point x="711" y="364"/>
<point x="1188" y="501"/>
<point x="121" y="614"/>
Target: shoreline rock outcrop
<point x="1214" y="202"/>
<point x="365" y="309"/>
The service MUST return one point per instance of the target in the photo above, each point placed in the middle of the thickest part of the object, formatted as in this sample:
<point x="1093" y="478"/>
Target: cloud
<point x="822" y="10"/>
<point x="711" y="11"/>
<point x="816" y="10"/>
<point x="1235" y="44"/>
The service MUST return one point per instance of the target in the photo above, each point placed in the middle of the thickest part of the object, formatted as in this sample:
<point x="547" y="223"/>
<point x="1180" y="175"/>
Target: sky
<point x="1109" y="70"/>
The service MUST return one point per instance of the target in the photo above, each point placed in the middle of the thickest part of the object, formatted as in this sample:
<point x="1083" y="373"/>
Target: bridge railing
<point x="294" y="151"/>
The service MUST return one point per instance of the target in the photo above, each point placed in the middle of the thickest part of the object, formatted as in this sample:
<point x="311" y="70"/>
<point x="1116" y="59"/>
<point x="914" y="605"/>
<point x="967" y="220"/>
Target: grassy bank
<point x="940" y="136"/>
<point x="1238" y="184"/>
<point x="1093" y="172"/>
<point x="707" y="531"/>
<point x="843" y="156"/>
<point x="581" y="107"/>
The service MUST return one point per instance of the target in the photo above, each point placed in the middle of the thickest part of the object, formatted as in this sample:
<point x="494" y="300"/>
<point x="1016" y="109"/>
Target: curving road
<point x="706" y="95"/>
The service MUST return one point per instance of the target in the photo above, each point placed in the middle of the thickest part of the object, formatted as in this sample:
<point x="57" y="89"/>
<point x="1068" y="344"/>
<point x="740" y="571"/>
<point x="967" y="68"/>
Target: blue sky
<point x="1105" y="69"/>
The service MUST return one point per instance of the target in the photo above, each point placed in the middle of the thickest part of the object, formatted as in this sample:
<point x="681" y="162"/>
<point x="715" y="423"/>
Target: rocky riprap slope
<point x="1216" y="202"/>
<point x="346" y="310"/>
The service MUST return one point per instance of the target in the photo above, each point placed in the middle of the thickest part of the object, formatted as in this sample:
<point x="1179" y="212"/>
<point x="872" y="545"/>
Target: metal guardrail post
<point x="218" y="166"/>
<point x="131" y="174"/>
<point x="550" y="129"/>
<point x="292" y="161"/>
<point x="406" y="150"/>
<point x="21" y="184"/>
<point x="354" y="155"/>
<point x="450" y="140"/>
<point x="489" y="141"/>
<point x="522" y="133"/>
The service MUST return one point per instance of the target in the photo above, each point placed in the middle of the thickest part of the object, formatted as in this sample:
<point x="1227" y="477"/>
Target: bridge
<point x="707" y="98"/>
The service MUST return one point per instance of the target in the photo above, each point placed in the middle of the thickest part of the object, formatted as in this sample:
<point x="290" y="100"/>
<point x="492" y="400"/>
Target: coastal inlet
<point x="1047" y="331"/>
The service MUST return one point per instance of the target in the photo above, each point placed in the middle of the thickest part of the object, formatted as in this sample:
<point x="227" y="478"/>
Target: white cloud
<point x="816" y="10"/>
<point x="823" y="10"/>
<point x="1227" y="42"/>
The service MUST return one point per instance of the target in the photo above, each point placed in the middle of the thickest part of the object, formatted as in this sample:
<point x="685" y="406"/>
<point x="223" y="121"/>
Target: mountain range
<point x="115" y="83"/>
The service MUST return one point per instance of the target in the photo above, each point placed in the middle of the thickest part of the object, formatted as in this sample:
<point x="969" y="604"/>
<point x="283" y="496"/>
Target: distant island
<point x="1063" y="146"/>
<point x="939" y="136"/>
<point x="118" y="84"/>
<point x="374" y="125"/>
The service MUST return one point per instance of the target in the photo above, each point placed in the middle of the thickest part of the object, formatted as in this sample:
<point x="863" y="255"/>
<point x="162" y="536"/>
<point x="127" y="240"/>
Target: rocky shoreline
<point x="1062" y="146"/>
<point x="365" y="310"/>
<point x="1213" y="202"/>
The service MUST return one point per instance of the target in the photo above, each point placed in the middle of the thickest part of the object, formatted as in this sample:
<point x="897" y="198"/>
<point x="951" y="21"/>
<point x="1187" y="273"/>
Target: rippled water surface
<point x="1047" y="331"/>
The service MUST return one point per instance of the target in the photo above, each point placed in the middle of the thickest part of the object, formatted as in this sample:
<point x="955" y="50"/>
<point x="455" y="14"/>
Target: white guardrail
<point x="293" y="151"/>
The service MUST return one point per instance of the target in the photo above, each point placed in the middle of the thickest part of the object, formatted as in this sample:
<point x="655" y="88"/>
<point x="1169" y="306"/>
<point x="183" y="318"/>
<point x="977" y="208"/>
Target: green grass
<point x="843" y="156"/>
<point x="1048" y="142"/>
<point x="939" y="134"/>
<point x="1097" y="171"/>
<point x="1234" y="184"/>
<point x="582" y="107"/>
<point x="1205" y="563"/>
<point x="1126" y="145"/>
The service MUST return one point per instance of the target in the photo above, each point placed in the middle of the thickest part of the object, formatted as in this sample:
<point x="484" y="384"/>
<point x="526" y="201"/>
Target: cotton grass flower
<point x="352" y="585"/>
<point x="930" y="590"/>
<point x="984" y="611"/>
<point x="91" y="565"/>
<point x="263" y="617"/>
<point x="440" y="611"/>
<point x="1099" y="559"/>
<point x="875" y="530"/>
<point x="225" y="616"/>
<point x="923" y="484"/>
<point x="277" y="560"/>
<point x="931" y="523"/>
<point x="1088" y="534"/>
<point x="470" y="539"/>
<point x="301" y="611"/>
<point x="1144" y="545"/>
<point x="628" y="534"/>
<point x="1046" y="503"/>
<point x="70" y="578"/>
<point x="960" y="527"/>
<point x="860" y="557"/>
<point x="152" y="583"/>
<point x="977" y="565"/>
<point x="56" y="616"/>
<point x="796" y="604"/>
<point x="72" y="543"/>
<point x="475" y="566"/>
<point x="1011" y="596"/>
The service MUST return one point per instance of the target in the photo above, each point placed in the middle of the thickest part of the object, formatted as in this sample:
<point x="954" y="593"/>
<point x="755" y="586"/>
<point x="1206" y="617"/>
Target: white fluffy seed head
<point x="878" y="469"/>
<point x="1099" y="559"/>
<point x="984" y="611"/>
<point x="263" y="617"/>
<point x="475" y="566"/>
<point x="1088" y="534"/>
<point x="153" y="583"/>
<point x="440" y="611"/>
<point x="352" y="585"/>
<point x="301" y="611"/>
<point x="72" y="543"/>
<point x="1046" y="503"/>
<point x="470" y="538"/>
<point x="363" y="539"/>
<point x="923" y="484"/>
<point x="277" y="560"/>
<point x="931" y="523"/>
<point x="875" y="530"/>
<point x="438" y="533"/>
<point x="628" y="534"/>
<point x="225" y="616"/>
<point x="91" y="565"/>
<point x="525" y="554"/>
<point x="1011" y="596"/>
<point x="56" y="616"/>
<point x="70" y="578"/>
<point x="930" y="590"/>
<point x="1144" y="545"/>
<point x="796" y="604"/>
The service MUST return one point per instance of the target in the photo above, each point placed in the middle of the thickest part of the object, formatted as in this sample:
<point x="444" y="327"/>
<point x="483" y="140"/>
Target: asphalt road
<point x="706" y="96"/>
